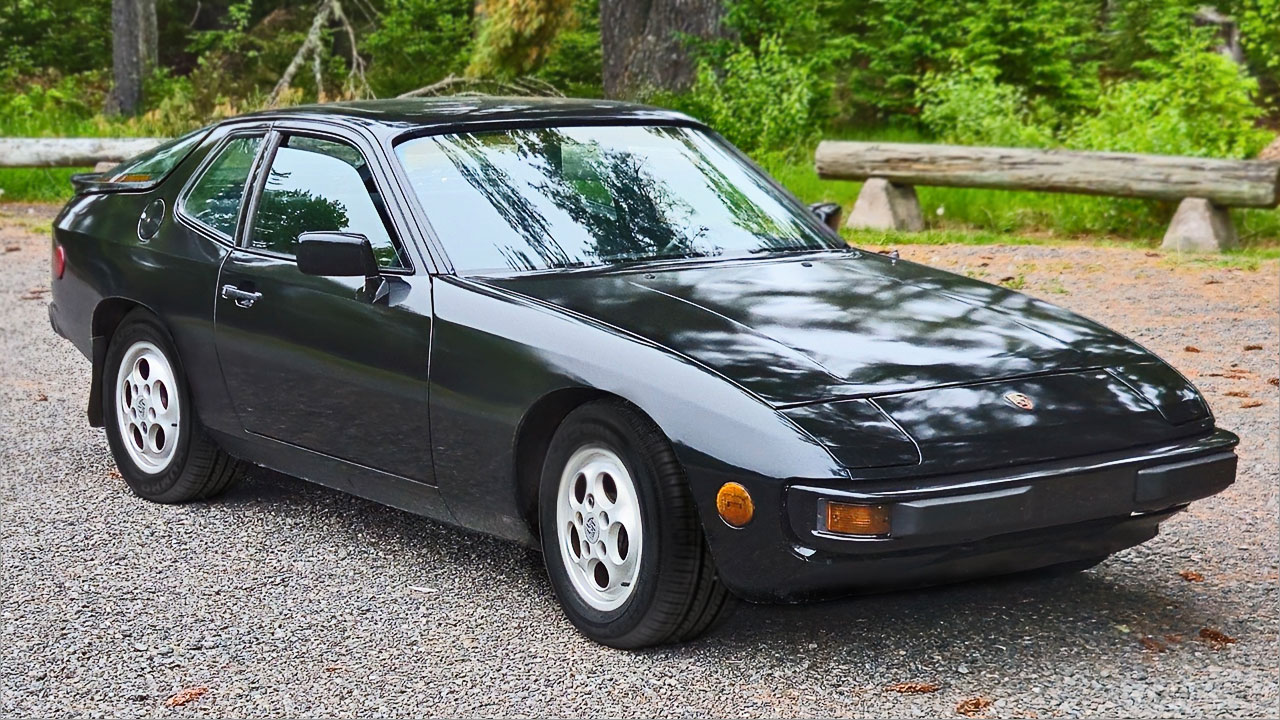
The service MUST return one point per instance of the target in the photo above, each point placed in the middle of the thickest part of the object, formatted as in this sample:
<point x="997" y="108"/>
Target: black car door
<point x="311" y="361"/>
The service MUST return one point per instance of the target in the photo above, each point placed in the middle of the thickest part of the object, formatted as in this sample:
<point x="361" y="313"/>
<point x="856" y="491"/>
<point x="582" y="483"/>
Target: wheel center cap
<point x="142" y="404"/>
<point x="592" y="530"/>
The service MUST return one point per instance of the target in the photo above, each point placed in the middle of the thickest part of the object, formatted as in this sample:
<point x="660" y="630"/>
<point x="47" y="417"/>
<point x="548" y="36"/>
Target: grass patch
<point x="1246" y="258"/>
<point x="955" y="236"/>
<point x="52" y="185"/>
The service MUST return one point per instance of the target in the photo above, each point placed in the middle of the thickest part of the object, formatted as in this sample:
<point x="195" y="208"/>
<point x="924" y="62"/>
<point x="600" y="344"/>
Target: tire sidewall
<point x="142" y="326"/>
<point x="594" y="426"/>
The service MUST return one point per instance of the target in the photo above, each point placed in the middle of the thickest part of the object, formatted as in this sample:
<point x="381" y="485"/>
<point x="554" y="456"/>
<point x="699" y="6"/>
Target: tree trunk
<point x="643" y="44"/>
<point x="133" y="53"/>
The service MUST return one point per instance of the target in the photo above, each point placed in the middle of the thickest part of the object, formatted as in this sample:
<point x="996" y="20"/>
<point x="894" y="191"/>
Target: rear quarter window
<point x="152" y="166"/>
<point x="215" y="197"/>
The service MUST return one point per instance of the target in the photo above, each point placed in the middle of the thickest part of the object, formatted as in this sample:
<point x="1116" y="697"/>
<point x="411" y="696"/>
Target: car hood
<point x="803" y="328"/>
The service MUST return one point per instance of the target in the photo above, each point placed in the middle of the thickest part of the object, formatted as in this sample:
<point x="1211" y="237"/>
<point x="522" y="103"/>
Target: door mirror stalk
<point x="337" y="254"/>
<point x="828" y="213"/>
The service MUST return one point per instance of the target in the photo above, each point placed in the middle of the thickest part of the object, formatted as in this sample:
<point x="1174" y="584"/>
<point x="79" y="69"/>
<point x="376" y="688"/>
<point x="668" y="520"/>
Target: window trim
<point x="281" y="132"/>
<point x="180" y="207"/>
<point x="445" y="264"/>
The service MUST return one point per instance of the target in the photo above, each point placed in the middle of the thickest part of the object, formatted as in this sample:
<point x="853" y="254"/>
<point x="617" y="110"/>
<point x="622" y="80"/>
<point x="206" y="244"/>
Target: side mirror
<point x="828" y="213"/>
<point x="336" y="254"/>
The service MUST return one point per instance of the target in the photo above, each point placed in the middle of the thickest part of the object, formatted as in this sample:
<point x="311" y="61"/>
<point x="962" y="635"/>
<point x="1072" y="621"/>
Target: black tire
<point x="677" y="594"/>
<point x="198" y="468"/>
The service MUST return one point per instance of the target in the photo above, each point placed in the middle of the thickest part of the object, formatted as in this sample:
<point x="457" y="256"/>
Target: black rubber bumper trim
<point x="943" y="514"/>
<point x="824" y="576"/>
<point x="1177" y="483"/>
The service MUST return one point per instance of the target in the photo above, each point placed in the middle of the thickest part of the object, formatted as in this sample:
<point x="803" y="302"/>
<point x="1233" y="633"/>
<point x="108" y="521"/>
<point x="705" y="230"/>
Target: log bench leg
<point x="1200" y="226"/>
<point x="882" y="205"/>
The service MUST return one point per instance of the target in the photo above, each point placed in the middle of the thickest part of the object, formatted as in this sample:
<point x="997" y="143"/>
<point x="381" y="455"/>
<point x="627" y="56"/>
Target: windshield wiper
<point x="779" y="250"/>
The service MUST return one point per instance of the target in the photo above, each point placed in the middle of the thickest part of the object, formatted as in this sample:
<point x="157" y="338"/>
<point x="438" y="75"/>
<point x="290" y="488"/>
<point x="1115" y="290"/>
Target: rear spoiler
<point x="101" y="182"/>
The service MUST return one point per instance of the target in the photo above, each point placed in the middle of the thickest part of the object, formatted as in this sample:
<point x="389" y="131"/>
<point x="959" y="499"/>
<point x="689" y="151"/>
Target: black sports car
<point x="599" y="328"/>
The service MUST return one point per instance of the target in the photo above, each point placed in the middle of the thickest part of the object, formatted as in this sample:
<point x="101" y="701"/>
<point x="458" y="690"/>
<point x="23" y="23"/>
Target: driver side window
<point x="321" y="185"/>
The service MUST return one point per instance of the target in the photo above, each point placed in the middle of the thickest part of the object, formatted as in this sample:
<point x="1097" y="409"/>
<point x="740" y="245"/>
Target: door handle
<point x="243" y="298"/>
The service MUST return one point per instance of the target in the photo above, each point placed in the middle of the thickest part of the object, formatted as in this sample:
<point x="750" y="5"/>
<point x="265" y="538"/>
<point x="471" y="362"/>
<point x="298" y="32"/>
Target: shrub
<point x="763" y="99"/>
<point x="516" y="35"/>
<point x="418" y="42"/>
<point x="1260" y="35"/>
<point x="1048" y="47"/>
<point x="1202" y="105"/>
<point x="575" y="62"/>
<point x="49" y="102"/>
<point x="973" y="108"/>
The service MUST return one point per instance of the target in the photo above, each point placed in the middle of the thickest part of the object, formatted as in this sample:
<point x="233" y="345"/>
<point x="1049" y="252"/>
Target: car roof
<point x="405" y="115"/>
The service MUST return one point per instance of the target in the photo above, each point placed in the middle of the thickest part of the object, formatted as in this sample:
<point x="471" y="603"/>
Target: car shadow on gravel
<point x="1087" y="609"/>
<point x="348" y="519"/>
<point x="1091" y="608"/>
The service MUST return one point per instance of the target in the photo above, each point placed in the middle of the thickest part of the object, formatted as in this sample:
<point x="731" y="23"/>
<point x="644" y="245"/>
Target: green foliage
<point x="418" y="42"/>
<point x="1046" y="47"/>
<point x="897" y="42"/>
<point x="515" y="36"/>
<point x="973" y="108"/>
<point x="1146" y="31"/>
<point x="575" y="61"/>
<point x="1132" y="75"/>
<point x="1201" y="105"/>
<point x="1260" y="35"/>
<point x="65" y="98"/>
<point x="762" y="99"/>
<point x="39" y="37"/>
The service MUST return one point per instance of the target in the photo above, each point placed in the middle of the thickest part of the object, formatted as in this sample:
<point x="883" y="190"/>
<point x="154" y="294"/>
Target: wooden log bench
<point x="71" y="152"/>
<point x="1204" y="187"/>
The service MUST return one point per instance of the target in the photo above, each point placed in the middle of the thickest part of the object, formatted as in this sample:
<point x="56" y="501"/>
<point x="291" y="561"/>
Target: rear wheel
<point x="160" y="448"/>
<point x="620" y="534"/>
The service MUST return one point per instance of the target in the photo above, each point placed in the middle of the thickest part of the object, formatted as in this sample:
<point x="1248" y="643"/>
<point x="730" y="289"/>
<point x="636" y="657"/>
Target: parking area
<point x="285" y="598"/>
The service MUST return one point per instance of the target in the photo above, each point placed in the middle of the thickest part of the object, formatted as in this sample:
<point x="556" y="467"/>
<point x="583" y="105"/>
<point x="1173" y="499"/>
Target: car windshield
<point x="541" y="198"/>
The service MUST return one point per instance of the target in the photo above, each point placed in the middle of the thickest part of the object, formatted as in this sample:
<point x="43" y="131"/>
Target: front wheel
<point x="162" y="451"/>
<point x="620" y="534"/>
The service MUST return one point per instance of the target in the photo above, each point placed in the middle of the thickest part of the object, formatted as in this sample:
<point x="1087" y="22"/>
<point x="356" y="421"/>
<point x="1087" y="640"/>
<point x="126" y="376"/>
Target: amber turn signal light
<point x="848" y="519"/>
<point x="734" y="504"/>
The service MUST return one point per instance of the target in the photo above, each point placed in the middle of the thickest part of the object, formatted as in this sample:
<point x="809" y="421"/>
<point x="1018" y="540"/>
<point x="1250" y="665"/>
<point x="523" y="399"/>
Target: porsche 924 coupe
<point x="599" y="329"/>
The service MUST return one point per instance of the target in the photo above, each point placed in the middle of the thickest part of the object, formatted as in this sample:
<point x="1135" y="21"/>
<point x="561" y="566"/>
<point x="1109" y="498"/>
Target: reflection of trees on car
<point x="746" y="213"/>
<point x="636" y="222"/>
<point x="472" y="158"/>
<point x="284" y="214"/>
<point x="215" y="199"/>
<point x="624" y="209"/>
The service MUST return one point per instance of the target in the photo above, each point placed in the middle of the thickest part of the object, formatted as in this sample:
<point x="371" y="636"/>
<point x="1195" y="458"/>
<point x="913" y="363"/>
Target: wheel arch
<point x="533" y="437"/>
<point x="108" y="314"/>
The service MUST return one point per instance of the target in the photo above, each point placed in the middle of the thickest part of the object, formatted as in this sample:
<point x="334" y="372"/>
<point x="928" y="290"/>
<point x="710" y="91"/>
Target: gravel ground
<point x="284" y="598"/>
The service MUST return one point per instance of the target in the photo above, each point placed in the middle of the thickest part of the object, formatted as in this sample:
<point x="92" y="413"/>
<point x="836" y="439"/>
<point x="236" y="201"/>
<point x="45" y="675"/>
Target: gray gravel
<point x="285" y="598"/>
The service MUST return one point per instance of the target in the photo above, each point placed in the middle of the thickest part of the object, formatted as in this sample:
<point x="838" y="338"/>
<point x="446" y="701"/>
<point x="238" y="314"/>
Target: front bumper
<point x="958" y="527"/>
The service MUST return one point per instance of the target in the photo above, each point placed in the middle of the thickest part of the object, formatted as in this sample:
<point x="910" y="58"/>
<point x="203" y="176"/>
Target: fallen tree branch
<point x="483" y="86"/>
<point x="357" y="83"/>
<point x="310" y="45"/>
<point x="317" y="71"/>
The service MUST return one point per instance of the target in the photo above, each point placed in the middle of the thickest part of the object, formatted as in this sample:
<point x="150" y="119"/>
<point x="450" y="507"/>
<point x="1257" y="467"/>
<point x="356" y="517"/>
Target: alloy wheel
<point x="598" y="527"/>
<point x="148" y="411"/>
